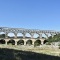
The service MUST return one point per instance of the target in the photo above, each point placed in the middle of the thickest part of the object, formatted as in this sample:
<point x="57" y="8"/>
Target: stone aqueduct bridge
<point x="24" y="40"/>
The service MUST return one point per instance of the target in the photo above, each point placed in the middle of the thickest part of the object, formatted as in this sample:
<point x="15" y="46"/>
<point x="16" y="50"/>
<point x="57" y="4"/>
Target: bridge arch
<point x="27" y="35"/>
<point x="20" y="42"/>
<point x="37" y="43"/>
<point x="19" y="35"/>
<point x="11" y="34"/>
<point x="36" y="35"/>
<point x="29" y="42"/>
<point x="44" y="35"/>
<point x="11" y="42"/>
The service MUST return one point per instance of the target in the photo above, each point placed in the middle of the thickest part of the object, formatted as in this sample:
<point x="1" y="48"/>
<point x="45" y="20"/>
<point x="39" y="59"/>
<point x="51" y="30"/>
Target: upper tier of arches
<point x="22" y="30"/>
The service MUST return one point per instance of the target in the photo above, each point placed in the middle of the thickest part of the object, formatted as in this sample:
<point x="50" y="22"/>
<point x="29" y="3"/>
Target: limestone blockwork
<point x="26" y="37"/>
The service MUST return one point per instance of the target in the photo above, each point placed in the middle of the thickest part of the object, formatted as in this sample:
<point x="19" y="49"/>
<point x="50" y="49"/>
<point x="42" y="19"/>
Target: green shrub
<point x="48" y="43"/>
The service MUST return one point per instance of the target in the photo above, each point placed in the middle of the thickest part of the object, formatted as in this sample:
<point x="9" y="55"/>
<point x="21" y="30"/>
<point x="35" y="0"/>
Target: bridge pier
<point x="6" y="42"/>
<point x="32" y="42"/>
<point x="15" y="42"/>
<point x="42" y="42"/>
<point x="32" y="34"/>
<point x="15" y="35"/>
<point x="24" y="42"/>
<point x="40" y="35"/>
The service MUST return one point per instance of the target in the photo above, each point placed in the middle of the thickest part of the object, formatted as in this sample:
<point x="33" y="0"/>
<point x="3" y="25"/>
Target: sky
<point x="30" y="14"/>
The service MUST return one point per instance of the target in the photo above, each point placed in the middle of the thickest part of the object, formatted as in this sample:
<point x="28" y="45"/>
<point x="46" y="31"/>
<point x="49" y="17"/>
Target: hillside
<point x="10" y="54"/>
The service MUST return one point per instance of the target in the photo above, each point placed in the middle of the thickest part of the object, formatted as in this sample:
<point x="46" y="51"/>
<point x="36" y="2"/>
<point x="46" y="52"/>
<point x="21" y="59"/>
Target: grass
<point x="44" y="50"/>
<point x="11" y="54"/>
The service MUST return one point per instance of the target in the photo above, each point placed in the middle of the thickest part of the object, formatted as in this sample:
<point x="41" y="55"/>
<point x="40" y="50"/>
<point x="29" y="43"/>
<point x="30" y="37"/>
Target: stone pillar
<point x="24" y="42"/>
<point x="6" y="35"/>
<point x="40" y="35"/>
<point x="46" y="35"/>
<point x="42" y="42"/>
<point x="15" y="35"/>
<point x="23" y="35"/>
<point x="32" y="42"/>
<point x="6" y="42"/>
<point x="32" y="34"/>
<point x="15" y="42"/>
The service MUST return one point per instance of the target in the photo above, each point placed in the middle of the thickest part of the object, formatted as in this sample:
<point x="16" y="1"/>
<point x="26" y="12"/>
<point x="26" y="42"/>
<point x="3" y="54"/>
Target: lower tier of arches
<point x="23" y="42"/>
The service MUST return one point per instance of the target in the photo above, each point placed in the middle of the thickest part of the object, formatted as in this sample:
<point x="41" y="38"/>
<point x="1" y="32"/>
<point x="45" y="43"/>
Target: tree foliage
<point x="55" y="38"/>
<point x="2" y="36"/>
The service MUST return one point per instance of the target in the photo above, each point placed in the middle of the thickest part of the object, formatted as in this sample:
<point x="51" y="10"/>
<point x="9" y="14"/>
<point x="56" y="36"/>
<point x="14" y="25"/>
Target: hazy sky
<point x="33" y="14"/>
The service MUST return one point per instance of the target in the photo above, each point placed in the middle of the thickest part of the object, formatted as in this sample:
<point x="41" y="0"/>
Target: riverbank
<point x="49" y="50"/>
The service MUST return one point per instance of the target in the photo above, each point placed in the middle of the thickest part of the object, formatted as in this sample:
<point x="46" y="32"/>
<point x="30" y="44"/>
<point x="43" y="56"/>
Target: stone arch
<point x="20" y="42"/>
<point x="49" y="35"/>
<point x="27" y="35"/>
<point x="43" y="35"/>
<point x="29" y="42"/>
<point x="37" y="43"/>
<point x="45" y="41"/>
<point x="36" y="35"/>
<point x="2" y="41"/>
<point x="2" y="34"/>
<point x="11" y="34"/>
<point x="19" y="35"/>
<point x="11" y="42"/>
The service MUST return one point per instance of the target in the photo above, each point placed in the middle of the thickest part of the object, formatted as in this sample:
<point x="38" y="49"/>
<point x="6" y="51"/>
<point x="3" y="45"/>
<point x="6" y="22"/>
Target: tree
<point x="56" y="38"/>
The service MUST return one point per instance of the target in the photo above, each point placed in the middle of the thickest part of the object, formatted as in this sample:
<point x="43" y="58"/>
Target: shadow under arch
<point x="29" y="42"/>
<point x="20" y="42"/>
<point x="2" y="34"/>
<point x="45" y="41"/>
<point x="2" y="41"/>
<point x="37" y="43"/>
<point x="11" y="42"/>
